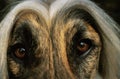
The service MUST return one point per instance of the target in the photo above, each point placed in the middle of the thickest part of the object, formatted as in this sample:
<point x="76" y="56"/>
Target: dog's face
<point x="63" y="40"/>
<point x="59" y="51"/>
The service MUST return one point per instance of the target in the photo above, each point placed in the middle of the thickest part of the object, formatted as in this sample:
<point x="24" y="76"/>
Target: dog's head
<point x="65" y="39"/>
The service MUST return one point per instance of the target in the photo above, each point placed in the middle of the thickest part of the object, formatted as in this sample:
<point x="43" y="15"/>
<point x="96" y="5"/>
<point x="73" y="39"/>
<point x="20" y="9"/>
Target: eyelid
<point x="86" y="53"/>
<point x="18" y="44"/>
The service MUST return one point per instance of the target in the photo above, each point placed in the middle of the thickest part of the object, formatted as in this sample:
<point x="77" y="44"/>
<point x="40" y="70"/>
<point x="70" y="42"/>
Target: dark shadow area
<point x="3" y="4"/>
<point x="112" y="7"/>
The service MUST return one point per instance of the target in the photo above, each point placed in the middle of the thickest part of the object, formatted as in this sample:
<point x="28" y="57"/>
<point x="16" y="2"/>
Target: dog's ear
<point x="3" y="70"/>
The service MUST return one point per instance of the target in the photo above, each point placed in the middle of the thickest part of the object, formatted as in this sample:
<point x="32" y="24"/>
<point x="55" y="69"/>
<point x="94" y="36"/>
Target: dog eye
<point x="20" y="52"/>
<point x="83" y="46"/>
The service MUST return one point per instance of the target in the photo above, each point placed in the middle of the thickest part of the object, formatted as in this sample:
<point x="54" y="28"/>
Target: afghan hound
<point x="61" y="39"/>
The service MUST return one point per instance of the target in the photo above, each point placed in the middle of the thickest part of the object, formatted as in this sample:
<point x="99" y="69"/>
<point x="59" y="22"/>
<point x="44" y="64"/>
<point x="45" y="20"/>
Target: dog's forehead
<point x="39" y="6"/>
<point x="46" y="7"/>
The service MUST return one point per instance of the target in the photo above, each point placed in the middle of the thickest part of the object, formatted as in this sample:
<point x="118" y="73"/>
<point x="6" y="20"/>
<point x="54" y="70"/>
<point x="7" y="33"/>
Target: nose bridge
<point x="60" y="65"/>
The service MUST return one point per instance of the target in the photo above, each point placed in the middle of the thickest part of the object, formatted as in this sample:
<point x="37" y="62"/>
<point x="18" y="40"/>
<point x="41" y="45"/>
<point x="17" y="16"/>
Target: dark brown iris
<point x="20" y="52"/>
<point x="84" y="45"/>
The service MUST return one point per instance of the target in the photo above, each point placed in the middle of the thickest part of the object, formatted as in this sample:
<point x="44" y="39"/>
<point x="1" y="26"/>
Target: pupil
<point x="82" y="44"/>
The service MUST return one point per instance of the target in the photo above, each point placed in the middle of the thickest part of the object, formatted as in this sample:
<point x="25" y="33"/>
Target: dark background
<point x="112" y="7"/>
